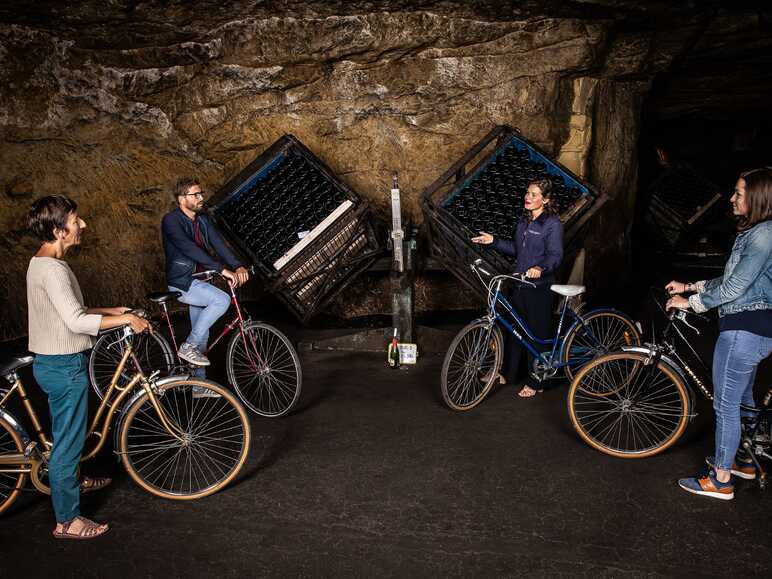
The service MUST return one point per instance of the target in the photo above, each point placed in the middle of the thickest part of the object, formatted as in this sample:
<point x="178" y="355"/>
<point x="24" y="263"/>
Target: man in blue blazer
<point x="192" y="243"/>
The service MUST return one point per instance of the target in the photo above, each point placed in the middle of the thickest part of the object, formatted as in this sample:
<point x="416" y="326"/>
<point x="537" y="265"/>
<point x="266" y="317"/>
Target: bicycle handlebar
<point x="517" y="276"/>
<point x="210" y="273"/>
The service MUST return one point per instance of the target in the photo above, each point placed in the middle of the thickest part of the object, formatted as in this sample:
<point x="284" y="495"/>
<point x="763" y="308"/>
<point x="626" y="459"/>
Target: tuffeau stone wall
<point x="111" y="103"/>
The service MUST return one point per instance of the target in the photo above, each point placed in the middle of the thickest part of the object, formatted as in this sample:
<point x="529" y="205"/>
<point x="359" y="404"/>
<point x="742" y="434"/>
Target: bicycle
<point x="475" y="355"/>
<point x="172" y="445"/>
<point x="262" y="365"/>
<point x="638" y="402"/>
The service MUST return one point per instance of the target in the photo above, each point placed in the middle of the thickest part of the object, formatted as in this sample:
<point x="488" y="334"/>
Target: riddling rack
<point x="489" y="197"/>
<point x="306" y="232"/>
<point x="679" y="200"/>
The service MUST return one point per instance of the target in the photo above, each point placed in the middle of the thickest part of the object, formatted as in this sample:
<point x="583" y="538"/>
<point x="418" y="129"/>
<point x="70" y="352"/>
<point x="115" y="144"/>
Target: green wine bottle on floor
<point x="393" y="352"/>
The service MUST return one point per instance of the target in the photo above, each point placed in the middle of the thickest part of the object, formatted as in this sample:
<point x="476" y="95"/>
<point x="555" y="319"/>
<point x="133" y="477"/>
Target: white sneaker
<point x="190" y="354"/>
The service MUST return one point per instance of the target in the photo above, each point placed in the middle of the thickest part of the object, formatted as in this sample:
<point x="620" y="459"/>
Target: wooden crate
<point x="307" y="233"/>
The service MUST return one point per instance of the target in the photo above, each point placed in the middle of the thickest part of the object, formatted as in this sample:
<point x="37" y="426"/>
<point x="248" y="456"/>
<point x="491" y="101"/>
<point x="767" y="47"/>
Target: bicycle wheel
<point x="264" y="370"/>
<point x="603" y="331"/>
<point x="152" y="351"/>
<point x="208" y="446"/>
<point x="471" y="365"/>
<point x="10" y="482"/>
<point x="624" y="408"/>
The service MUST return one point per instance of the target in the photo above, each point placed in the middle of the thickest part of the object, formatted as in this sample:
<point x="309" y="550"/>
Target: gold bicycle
<point x="173" y="444"/>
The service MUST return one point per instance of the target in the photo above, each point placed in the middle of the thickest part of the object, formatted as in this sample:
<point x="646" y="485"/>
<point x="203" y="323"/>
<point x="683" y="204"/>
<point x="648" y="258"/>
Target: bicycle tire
<point x="152" y="350"/>
<point x="643" y="417"/>
<point x="273" y="389"/>
<point x="462" y="389"/>
<point x="148" y="450"/>
<point x="617" y="330"/>
<point x="10" y="483"/>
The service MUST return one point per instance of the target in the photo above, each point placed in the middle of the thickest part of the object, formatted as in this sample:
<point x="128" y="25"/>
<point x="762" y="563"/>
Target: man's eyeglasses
<point x="197" y="194"/>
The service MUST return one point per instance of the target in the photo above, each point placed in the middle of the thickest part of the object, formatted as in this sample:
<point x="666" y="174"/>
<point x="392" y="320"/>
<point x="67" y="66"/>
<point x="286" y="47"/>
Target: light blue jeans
<point x="735" y="359"/>
<point x="207" y="304"/>
<point x="64" y="378"/>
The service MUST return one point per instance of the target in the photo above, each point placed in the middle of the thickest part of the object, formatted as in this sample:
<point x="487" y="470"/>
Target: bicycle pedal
<point x="30" y="449"/>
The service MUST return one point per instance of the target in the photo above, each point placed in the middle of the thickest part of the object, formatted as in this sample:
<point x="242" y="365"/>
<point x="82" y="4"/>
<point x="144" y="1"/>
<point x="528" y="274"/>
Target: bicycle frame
<point x="100" y="424"/>
<point x="552" y="361"/>
<point x="666" y="351"/>
<point x="237" y="321"/>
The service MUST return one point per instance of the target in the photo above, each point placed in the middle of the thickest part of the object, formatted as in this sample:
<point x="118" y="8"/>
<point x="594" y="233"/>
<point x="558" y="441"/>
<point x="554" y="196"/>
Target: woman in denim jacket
<point x="743" y="296"/>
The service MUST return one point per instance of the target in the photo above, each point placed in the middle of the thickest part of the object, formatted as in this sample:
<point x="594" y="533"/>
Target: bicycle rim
<point x="10" y="483"/>
<point x="627" y="409"/>
<point x="471" y="365"/>
<point x="209" y="448"/>
<point x="264" y="370"/>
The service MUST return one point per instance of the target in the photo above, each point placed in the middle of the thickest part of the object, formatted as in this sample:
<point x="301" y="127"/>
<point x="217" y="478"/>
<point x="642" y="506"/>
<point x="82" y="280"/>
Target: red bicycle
<point x="262" y="365"/>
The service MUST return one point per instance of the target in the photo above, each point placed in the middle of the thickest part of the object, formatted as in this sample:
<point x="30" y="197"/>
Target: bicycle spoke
<point x="625" y="409"/>
<point x="470" y="358"/>
<point x="264" y="370"/>
<point x="204" y="453"/>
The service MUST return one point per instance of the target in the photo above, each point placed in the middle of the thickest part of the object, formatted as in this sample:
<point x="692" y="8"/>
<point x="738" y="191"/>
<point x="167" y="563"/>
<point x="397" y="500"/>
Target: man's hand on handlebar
<point x="231" y="276"/>
<point x="242" y="273"/>
<point x="236" y="278"/>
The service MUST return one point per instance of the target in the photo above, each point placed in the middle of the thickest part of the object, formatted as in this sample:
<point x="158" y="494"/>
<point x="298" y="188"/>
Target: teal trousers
<point x="64" y="378"/>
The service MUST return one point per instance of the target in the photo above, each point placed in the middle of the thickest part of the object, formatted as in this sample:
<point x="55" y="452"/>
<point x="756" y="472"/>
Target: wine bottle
<point x="393" y="352"/>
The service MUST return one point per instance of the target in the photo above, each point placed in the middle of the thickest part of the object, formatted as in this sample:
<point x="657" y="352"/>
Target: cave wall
<point x="113" y="114"/>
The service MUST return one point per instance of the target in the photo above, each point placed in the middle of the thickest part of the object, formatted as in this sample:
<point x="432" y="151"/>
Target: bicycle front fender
<point x="135" y="397"/>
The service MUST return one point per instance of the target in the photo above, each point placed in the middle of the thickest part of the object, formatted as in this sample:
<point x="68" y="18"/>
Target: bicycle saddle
<point x="162" y="297"/>
<point x="11" y="367"/>
<point x="568" y="291"/>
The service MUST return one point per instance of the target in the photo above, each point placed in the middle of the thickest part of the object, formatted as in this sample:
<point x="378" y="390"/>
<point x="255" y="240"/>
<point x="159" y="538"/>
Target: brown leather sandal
<point x="88" y="530"/>
<point x="533" y="392"/>
<point x="88" y="484"/>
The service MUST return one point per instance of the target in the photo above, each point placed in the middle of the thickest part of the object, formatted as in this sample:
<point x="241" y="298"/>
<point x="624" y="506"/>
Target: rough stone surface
<point x="111" y="103"/>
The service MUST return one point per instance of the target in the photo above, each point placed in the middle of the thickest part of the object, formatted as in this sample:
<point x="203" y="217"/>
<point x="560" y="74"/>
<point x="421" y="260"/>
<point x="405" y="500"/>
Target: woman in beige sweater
<point x="60" y="332"/>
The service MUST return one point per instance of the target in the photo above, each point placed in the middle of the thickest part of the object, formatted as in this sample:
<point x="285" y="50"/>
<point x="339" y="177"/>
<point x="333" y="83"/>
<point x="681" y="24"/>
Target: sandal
<point x="88" y="530"/>
<point x="88" y="484"/>
<point x="528" y="392"/>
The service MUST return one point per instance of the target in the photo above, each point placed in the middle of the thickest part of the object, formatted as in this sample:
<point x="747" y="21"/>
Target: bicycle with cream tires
<point x="638" y="402"/>
<point x="173" y="444"/>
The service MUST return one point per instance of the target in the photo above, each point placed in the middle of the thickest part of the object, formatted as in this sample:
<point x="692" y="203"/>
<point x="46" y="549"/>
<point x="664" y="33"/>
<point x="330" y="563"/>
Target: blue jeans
<point x="207" y="304"/>
<point x="735" y="359"/>
<point x="64" y="378"/>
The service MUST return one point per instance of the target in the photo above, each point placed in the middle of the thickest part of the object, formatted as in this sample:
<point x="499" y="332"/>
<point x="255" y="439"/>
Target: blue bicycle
<point x="474" y="358"/>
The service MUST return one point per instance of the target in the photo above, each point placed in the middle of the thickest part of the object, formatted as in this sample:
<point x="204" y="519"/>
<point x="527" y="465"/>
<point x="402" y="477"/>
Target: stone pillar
<point x="576" y="150"/>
